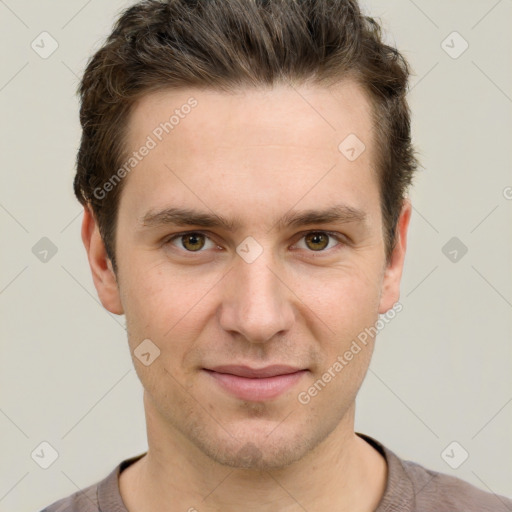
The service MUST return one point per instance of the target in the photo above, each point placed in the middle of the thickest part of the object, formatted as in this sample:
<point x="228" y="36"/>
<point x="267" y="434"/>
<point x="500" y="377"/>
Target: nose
<point x="256" y="302"/>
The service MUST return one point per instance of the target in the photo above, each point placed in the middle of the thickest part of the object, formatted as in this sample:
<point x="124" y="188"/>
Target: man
<point x="243" y="170"/>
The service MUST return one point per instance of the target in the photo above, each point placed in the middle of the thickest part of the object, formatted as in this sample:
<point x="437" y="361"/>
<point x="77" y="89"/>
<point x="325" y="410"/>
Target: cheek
<point x="166" y="307"/>
<point x="345" y="300"/>
<point x="146" y="305"/>
<point x="350" y="310"/>
<point x="361" y="304"/>
<point x="157" y="310"/>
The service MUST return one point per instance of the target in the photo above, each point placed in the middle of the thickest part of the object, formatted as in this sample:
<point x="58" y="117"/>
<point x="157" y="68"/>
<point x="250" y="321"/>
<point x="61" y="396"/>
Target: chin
<point x="257" y="458"/>
<point x="257" y="450"/>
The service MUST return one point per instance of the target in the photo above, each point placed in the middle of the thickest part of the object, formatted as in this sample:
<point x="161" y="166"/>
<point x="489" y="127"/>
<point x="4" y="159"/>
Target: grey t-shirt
<point x="409" y="488"/>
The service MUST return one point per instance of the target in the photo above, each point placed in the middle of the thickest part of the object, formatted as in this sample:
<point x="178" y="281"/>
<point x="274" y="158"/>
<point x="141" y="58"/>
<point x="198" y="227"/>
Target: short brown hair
<point x="229" y="44"/>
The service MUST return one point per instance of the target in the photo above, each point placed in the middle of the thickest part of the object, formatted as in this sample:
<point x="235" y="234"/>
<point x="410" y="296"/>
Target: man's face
<point x="264" y="292"/>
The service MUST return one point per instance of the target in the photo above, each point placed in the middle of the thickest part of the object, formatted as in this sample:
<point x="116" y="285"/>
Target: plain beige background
<point x="442" y="369"/>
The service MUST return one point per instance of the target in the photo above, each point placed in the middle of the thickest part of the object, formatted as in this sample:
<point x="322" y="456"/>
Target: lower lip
<point x="256" y="390"/>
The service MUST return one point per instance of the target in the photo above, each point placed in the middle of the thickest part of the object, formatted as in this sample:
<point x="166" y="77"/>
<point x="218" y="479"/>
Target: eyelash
<point x="337" y="236"/>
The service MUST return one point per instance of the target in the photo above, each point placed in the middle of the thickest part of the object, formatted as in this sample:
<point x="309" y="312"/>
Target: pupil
<point x="193" y="240"/>
<point x="317" y="238"/>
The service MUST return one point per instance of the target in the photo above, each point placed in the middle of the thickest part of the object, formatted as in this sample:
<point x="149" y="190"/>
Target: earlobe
<point x="393" y="273"/>
<point x="101" y="267"/>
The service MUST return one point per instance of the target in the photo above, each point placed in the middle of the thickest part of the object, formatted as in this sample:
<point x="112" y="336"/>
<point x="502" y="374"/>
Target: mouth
<point x="255" y="384"/>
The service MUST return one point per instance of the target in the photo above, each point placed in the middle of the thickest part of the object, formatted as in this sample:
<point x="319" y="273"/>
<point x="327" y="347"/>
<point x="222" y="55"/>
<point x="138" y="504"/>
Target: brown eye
<point x="317" y="241"/>
<point x="191" y="242"/>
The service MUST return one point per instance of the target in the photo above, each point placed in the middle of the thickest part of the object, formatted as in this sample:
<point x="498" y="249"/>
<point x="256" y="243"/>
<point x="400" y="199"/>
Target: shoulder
<point x="411" y="487"/>
<point x="85" y="500"/>
<point x="103" y="496"/>
<point x="445" y="493"/>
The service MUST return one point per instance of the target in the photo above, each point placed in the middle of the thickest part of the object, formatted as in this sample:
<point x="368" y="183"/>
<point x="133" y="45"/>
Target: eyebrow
<point x="189" y="217"/>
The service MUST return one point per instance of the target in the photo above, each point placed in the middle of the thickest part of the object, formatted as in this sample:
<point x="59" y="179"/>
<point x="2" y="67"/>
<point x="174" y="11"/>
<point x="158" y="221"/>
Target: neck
<point x="343" y="472"/>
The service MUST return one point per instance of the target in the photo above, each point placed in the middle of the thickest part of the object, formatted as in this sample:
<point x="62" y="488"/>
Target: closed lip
<point x="255" y="373"/>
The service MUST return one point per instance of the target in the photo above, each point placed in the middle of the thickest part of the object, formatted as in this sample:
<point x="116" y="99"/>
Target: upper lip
<point x="255" y="373"/>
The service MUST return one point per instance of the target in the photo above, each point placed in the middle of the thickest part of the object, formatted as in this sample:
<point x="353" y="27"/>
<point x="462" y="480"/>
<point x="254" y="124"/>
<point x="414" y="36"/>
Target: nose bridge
<point x="258" y="304"/>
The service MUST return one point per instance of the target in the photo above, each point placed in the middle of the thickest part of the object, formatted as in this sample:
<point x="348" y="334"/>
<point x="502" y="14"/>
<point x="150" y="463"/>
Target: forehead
<point x="250" y="147"/>
<point x="281" y="115"/>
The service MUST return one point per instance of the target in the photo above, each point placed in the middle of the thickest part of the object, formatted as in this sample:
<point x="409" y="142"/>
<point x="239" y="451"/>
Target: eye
<point x="319" y="241"/>
<point x="196" y="241"/>
<point x="193" y="241"/>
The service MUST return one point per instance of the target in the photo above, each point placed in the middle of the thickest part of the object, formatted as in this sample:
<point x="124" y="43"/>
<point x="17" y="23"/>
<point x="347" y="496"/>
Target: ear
<point x="101" y="267"/>
<point x="393" y="272"/>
